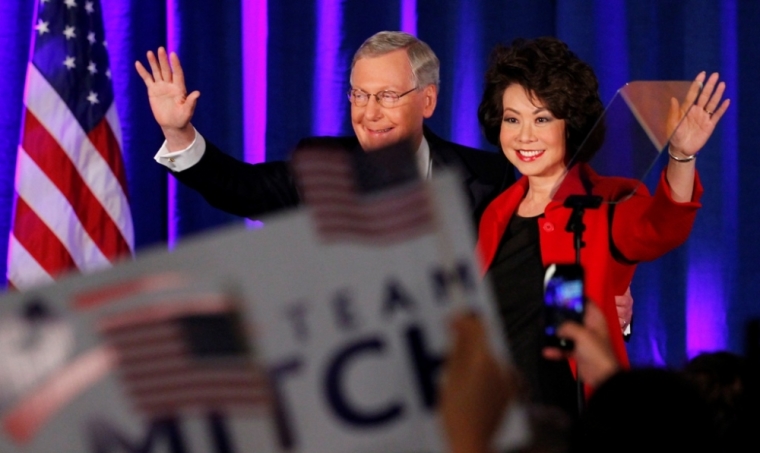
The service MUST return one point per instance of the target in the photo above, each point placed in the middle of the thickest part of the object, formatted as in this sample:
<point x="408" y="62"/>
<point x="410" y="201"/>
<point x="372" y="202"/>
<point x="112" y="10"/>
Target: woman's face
<point x="531" y="137"/>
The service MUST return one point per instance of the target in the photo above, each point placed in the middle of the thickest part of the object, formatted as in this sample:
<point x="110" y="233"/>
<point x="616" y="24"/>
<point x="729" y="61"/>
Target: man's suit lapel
<point x="444" y="156"/>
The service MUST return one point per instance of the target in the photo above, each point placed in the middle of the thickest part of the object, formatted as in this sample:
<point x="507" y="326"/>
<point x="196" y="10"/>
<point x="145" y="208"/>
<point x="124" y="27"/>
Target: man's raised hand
<point x="171" y="105"/>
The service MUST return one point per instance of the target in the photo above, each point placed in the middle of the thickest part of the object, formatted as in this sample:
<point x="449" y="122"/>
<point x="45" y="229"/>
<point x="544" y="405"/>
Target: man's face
<point x="377" y="126"/>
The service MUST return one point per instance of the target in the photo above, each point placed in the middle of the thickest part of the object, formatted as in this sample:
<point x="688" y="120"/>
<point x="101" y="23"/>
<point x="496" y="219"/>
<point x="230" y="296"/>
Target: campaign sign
<point x="269" y="340"/>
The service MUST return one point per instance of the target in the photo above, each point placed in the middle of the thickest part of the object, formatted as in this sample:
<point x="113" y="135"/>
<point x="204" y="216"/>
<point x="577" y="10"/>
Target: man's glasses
<point x="385" y="98"/>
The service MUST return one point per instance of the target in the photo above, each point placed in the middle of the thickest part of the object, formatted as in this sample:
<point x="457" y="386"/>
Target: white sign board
<point x="352" y="337"/>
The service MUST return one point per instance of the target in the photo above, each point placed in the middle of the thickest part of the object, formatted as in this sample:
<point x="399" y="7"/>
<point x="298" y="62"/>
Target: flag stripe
<point x="369" y="224"/>
<point x="379" y="228"/>
<point x="229" y="406"/>
<point x="164" y="310"/>
<point x="372" y="209"/>
<point x="155" y="354"/>
<point x="216" y="395"/>
<point x="104" y="141"/>
<point x="371" y="237"/>
<point x="36" y="189"/>
<point x="146" y="365"/>
<point x="121" y="289"/>
<point x="228" y="380"/>
<point x="142" y="335"/>
<point x="32" y="271"/>
<point x="112" y="116"/>
<point x="39" y="241"/>
<point x="167" y="367"/>
<point x="51" y="159"/>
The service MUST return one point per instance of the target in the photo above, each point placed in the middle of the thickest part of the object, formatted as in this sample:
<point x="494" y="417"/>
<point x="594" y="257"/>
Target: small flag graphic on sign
<point x="372" y="198"/>
<point x="185" y="357"/>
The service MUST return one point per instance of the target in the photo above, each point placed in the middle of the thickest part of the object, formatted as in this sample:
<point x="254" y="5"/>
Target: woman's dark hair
<point x="551" y="72"/>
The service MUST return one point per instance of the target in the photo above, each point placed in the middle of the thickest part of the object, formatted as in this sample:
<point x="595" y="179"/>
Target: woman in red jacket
<point x="540" y="103"/>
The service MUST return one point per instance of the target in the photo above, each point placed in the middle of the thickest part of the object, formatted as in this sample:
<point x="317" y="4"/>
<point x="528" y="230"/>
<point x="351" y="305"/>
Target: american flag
<point x="71" y="206"/>
<point x="186" y="357"/>
<point x="370" y="198"/>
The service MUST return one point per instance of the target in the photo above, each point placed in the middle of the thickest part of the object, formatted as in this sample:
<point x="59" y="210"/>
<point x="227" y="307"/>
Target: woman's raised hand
<point x="700" y="120"/>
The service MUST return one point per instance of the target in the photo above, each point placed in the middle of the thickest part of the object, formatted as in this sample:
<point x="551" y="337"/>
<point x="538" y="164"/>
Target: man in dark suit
<point x="394" y="87"/>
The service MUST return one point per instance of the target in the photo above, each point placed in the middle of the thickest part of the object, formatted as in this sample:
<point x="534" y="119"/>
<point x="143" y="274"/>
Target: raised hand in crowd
<point x="475" y="390"/>
<point x="593" y="350"/>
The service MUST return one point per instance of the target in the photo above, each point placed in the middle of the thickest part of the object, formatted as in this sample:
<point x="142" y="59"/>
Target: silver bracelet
<point x="682" y="159"/>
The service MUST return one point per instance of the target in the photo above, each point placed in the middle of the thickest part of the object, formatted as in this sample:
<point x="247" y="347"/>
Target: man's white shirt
<point x="184" y="158"/>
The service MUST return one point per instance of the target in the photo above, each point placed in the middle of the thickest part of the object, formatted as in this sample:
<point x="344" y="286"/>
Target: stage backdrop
<point x="271" y="72"/>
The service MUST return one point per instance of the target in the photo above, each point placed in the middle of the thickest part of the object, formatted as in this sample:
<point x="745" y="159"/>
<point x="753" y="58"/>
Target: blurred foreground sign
<point x="247" y="341"/>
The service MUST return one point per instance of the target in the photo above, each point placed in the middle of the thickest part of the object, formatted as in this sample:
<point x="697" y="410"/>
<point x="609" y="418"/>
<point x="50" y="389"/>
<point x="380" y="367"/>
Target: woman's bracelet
<point x="682" y="159"/>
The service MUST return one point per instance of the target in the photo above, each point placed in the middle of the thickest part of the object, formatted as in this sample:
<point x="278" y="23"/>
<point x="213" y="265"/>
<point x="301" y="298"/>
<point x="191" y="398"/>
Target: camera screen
<point x="564" y="301"/>
<point x="567" y="294"/>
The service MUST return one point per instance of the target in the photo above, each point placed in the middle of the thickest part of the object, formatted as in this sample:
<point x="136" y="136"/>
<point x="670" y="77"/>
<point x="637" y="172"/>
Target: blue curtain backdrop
<point x="272" y="72"/>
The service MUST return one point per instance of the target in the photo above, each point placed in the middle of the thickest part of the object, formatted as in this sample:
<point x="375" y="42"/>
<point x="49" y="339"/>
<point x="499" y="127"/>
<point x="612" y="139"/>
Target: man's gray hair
<point x="425" y="65"/>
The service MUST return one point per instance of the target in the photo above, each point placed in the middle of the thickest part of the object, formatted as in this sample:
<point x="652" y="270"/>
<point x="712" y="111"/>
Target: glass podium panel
<point x="634" y="130"/>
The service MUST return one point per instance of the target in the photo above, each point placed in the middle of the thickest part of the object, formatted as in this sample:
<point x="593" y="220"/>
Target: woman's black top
<point x="517" y="275"/>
